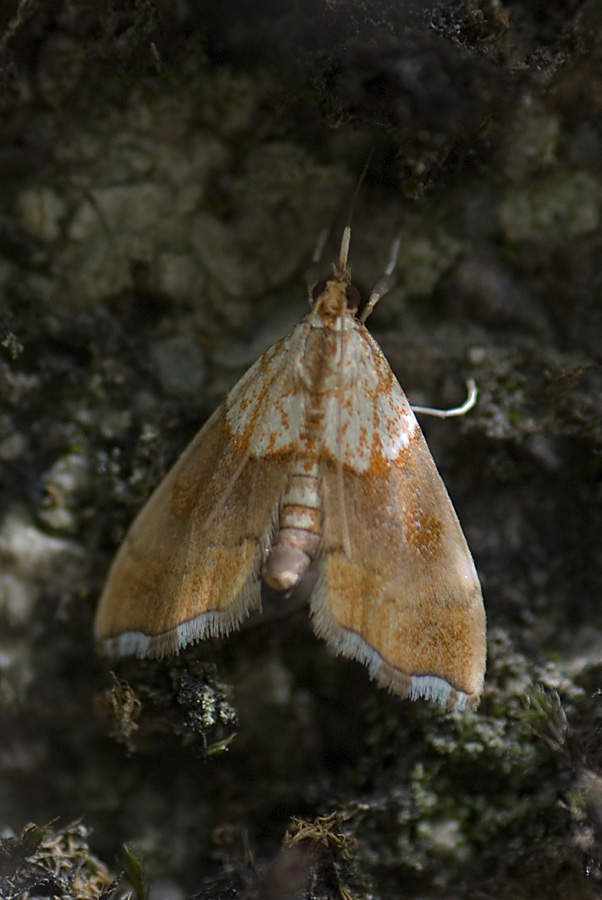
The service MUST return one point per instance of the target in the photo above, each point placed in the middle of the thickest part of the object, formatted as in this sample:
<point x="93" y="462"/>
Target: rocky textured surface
<point x="166" y="170"/>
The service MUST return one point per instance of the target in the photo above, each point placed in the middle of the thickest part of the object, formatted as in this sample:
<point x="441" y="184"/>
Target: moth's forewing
<point x="189" y="565"/>
<point x="406" y="599"/>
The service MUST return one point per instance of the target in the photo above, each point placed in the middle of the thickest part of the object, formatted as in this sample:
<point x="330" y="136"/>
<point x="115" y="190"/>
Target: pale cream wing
<point x="405" y="598"/>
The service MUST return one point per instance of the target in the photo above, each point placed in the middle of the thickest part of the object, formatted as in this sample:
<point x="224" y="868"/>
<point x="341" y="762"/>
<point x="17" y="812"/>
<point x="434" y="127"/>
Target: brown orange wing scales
<point x="190" y="564"/>
<point x="407" y="603"/>
<point x="315" y="461"/>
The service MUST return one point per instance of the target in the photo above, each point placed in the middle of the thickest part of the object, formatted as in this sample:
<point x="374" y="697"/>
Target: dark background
<point x="165" y="172"/>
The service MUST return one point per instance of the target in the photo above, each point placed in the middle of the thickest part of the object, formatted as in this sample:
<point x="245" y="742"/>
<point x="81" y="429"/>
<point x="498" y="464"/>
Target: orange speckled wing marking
<point x="406" y="601"/>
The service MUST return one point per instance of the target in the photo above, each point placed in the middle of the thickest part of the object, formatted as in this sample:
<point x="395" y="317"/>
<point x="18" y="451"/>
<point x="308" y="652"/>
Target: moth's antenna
<point x="344" y="251"/>
<point x="313" y="272"/>
<point x="383" y="284"/>
<point x="358" y="185"/>
<point x="320" y="247"/>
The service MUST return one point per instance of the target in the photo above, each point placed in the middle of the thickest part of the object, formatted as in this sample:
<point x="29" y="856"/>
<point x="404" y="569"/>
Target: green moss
<point x="559" y="207"/>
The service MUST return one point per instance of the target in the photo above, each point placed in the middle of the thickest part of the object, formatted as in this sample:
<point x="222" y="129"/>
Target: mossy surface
<point x="167" y="170"/>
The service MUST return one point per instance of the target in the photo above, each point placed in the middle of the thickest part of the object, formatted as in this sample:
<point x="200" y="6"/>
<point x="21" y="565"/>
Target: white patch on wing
<point x="266" y="404"/>
<point x="430" y="687"/>
<point x="130" y="643"/>
<point x="365" y="410"/>
<point x="433" y="688"/>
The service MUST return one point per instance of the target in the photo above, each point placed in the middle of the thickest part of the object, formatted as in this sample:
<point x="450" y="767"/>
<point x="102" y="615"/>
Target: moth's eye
<point x="353" y="297"/>
<point x="317" y="290"/>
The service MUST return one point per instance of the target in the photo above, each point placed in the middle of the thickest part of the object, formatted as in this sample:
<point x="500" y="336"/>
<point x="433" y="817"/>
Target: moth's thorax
<point x="332" y="301"/>
<point x="329" y="358"/>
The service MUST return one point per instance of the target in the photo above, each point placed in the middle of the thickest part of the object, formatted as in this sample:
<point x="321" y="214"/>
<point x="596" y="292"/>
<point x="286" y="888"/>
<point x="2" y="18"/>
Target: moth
<point x="314" y="463"/>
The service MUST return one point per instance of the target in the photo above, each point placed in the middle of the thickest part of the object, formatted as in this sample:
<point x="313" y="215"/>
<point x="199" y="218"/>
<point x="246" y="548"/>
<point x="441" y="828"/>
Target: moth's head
<point x="335" y="296"/>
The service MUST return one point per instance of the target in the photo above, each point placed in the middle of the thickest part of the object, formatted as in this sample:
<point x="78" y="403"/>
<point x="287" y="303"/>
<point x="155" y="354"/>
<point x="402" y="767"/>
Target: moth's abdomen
<point x="299" y="528"/>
